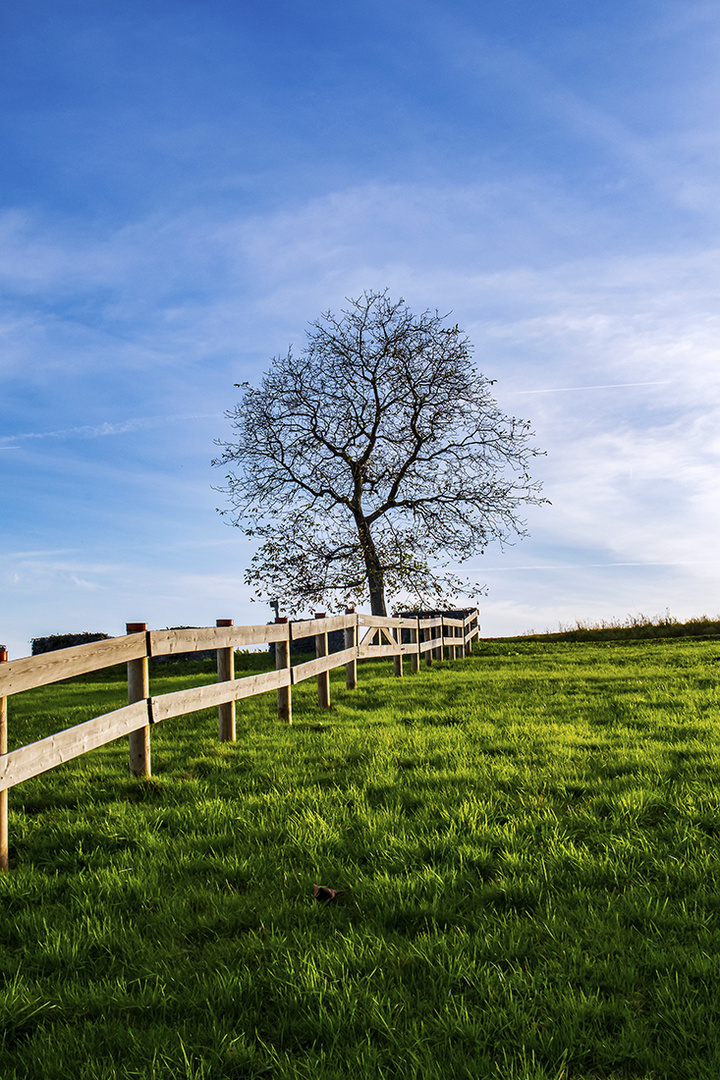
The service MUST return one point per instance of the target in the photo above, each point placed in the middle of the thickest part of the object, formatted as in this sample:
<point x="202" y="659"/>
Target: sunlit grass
<point x="528" y="844"/>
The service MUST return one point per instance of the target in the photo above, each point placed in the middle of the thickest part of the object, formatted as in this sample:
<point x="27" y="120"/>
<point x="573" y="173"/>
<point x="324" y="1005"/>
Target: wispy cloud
<point x="89" y="431"/>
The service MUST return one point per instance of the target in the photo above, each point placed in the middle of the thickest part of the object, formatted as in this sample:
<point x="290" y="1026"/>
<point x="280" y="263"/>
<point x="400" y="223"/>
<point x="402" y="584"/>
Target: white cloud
<point x="631" y="467"/>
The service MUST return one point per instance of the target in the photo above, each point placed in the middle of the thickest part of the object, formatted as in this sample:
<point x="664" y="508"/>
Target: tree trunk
<point x="376" y="577"/>
<point x="377" y="593"/>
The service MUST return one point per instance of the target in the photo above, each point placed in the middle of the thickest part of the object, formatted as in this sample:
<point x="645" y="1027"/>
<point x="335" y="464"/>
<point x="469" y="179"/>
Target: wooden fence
<point x="365" y="637"/>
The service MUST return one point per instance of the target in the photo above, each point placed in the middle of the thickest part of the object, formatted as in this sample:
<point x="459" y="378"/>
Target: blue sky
<point x="184" y="186"/>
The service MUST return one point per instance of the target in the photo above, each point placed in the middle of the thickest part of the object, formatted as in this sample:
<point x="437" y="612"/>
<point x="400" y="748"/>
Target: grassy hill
<point x="633" y="628"/>
<point x="525" y="845"/>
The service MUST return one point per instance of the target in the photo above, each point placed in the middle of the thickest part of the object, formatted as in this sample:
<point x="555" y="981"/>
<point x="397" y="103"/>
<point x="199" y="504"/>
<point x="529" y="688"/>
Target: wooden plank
<point x="369" y="635"/>
<point x="426" y="624"/>
<point x="33" y="671"/>
<point x="453" y="622"/>
<point x="171" y="642"/>
<point x="321" y="664"/>
<point x="312" y="627"/>
<point x="182" y="702"/>
<point x="384" y="620"/>
<point x="384" y="637"/>
<point x="369" y="652"/>
<point x="426" y="646"/>
<point x="38" y="757"/>
<point x="259" y="634"/>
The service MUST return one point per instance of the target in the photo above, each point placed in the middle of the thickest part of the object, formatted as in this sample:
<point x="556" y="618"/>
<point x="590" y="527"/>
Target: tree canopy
<point x="372" y="460"/>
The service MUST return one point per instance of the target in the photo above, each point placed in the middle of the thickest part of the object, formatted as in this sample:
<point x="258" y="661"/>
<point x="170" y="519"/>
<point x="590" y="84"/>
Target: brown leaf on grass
<point x="324" y="894"/>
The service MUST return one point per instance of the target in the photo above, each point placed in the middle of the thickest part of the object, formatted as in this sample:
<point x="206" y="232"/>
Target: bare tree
<point x="371" y="460"/>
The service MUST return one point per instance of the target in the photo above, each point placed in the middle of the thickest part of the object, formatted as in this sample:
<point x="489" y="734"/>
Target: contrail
<point x="607" y="386"/>
<point x="586" y="566"/>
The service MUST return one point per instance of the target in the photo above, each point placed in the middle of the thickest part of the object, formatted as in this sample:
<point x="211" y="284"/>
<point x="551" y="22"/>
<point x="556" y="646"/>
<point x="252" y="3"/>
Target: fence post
<point x="440" y="653"/>
<point x="398" y="660"/>
<point x="350" y="643"/>
<point x="415" y="640"/>
<point x="4" y="856"/>
<point x="427" y="636"/>
<point x="282" y="661"/>
<point x="138" y="690"/>
<point x="323" y="679"/>
<point x="226" y="672"/>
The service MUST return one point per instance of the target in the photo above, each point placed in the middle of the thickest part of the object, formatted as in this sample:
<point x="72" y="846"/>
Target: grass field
<point x="527" y="844"/>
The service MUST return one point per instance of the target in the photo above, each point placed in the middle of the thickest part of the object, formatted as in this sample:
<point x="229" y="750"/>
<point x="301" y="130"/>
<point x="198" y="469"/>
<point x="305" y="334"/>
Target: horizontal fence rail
<point x="365" y="637"/>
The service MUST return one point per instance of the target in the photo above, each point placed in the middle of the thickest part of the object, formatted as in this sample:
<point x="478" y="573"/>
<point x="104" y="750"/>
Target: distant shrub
<point x="63" y="641"/>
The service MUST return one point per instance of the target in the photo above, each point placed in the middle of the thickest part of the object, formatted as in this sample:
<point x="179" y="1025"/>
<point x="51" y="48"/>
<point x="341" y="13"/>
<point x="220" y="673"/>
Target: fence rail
<point x="366" y="637"/>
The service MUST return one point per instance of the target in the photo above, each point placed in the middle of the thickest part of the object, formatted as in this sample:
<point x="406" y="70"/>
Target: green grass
<point x="528" y="841"/>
